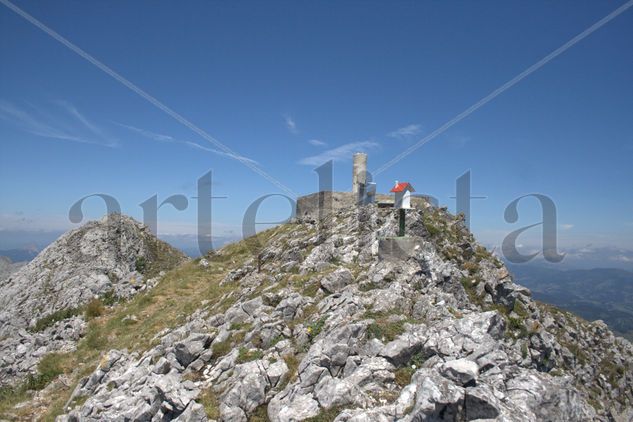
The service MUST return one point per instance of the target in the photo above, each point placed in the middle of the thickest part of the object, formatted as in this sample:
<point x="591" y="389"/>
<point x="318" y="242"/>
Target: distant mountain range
<point x="598" y="293"/>
<point x="20" y="255"/>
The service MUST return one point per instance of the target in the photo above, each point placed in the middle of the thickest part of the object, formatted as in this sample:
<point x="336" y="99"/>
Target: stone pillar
<point x="359" y="172"/>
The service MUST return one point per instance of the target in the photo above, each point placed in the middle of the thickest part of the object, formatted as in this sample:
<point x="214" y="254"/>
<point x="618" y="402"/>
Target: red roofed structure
<point x="402" y="191"/>
<point x="400" y="187"/>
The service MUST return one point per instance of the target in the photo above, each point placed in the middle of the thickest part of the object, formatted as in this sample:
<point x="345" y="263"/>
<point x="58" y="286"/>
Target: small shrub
<point x="93" y="309"/>
<point x="520" y="310"/>
<point x="432" y="229"/>
<point x="141" y="264"/>
<point x="517" y="326"/>
<point x="314" y="328"/>
<point x="482" y="253"/>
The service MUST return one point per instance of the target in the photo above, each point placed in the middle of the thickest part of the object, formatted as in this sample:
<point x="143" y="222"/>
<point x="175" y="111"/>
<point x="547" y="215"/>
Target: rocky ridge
<point x="8" y="267"/>
<point x="41" y="303"/>
<point x="306" y="322"/>
<point x="314" y="325"/>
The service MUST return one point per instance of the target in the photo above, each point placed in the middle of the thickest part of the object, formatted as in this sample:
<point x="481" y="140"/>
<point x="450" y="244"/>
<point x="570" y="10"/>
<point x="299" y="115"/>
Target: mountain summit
<point x="111" y="259"/>
<point x="328" y="319"/>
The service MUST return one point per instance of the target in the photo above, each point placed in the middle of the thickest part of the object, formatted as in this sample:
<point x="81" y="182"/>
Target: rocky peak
<point x="311" y="321"/>
<point x="113" y="258"/>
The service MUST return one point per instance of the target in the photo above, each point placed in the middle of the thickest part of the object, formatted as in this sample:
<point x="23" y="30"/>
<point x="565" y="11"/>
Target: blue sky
<point x="290" y="84"/>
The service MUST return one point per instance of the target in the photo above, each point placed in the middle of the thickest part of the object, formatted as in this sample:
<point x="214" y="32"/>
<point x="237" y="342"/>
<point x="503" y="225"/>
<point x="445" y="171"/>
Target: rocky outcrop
<point x="318" y="325"/>
<point x="41" y="304"/>
<point x="8" y="267"/>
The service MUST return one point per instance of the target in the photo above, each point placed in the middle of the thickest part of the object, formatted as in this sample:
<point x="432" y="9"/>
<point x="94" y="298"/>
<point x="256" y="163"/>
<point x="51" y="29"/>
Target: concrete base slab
<point x="398" y="248"/>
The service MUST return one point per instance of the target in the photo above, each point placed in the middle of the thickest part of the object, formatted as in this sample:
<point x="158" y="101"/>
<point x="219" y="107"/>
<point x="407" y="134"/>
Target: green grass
<point x="50" y="320"/>
<point x="382" y="328"/>
<point x="403" y="375"/>
<point x="180" y="292"/>
<point x="326" y="415"/>
<point x="209" y="401"/>
<point x="315" y="328"/>
<point x="517" y="327"/>
<point x="50" y="367"/>
<point x="141" y="264"/>
<point x="246" y="355"/>
<point x="260" y="414"/>
<point x="238" y="326"/>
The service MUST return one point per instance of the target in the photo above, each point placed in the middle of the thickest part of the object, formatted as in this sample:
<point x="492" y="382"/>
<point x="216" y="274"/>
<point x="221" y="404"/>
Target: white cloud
<point x="69" y="125"/>
<point x="342" y="153"/>
<point x="566" y="226"/>
<point x="290" y="124"/>
<point x="159" y="137"/>
<point x="406" y="131"/>
<point x="317" y="143"/>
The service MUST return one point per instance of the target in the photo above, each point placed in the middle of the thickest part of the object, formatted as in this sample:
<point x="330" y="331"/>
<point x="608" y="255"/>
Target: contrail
<point x="147" y="96"/>
<point x="518" y="78"/>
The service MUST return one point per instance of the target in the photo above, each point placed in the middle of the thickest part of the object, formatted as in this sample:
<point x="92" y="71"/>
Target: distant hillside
<point x="19" y="255"/>
<point x="600" y="293"/>
<point x="7" y="267"/>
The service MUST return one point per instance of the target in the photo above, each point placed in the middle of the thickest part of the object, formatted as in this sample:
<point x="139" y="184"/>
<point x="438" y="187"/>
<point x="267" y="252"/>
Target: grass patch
<point x="292" y="362"/>
<point x="326" y="415"/>
<point x="469" y="283"/>
<point x="260" y="414"/>
<point x="614" y="373"/>
<point x="246" y="355"/>
<point x="382" y="328"/>
<point x="403" y="375"/>
<point x="141" y="264"/>
<point x="315" y="328"/>
<point x="457" y="314"/>
<point x="209" y="401"/>
<point x="221" y="348"/>
<point x="238" y="326"/>
<point x="179" y="292"/>
<point x="50" y="367"/>
<point x="50" y="320"/>
<point x="517" y="327"/>
<point x="366" y="287"/>
<point x="471" y="267"/>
